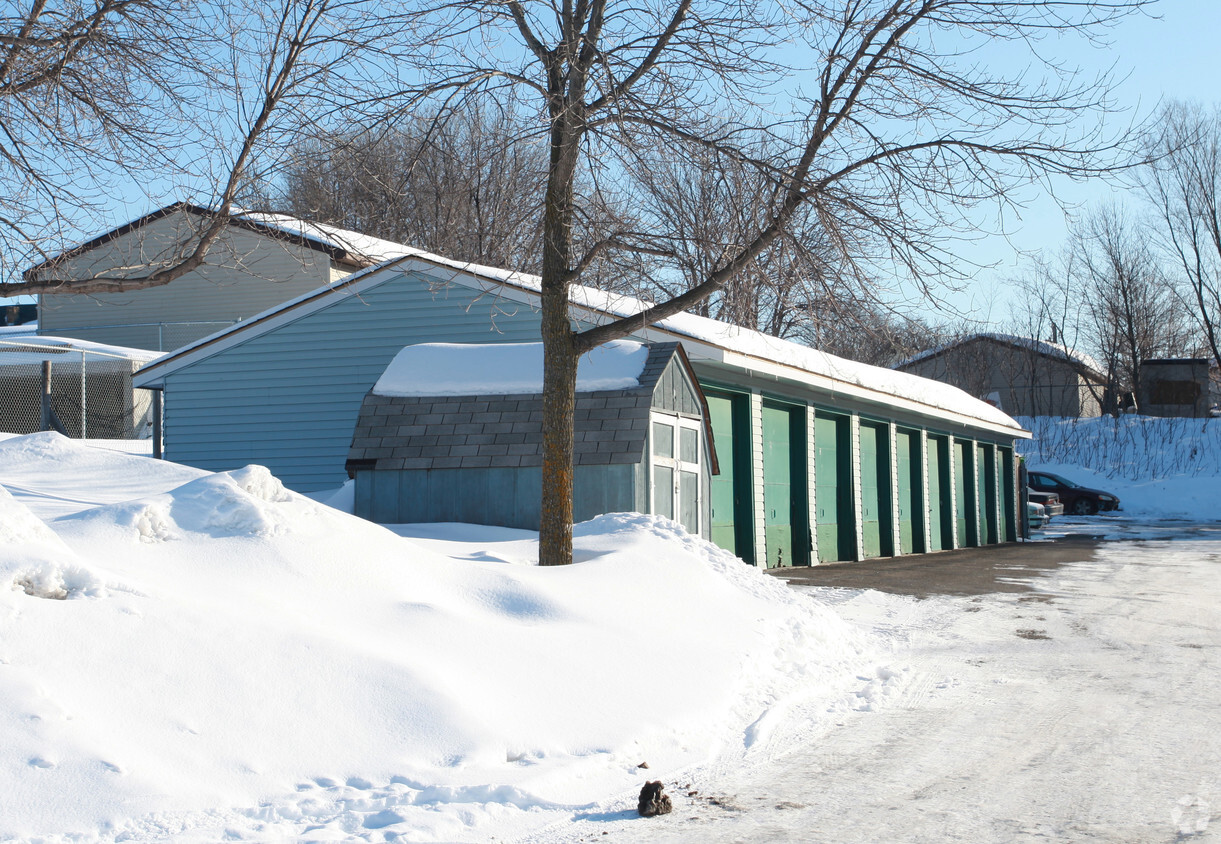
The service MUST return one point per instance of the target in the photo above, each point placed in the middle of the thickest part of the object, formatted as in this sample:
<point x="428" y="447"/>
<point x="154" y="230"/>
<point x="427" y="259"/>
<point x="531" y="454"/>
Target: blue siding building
<point x="821" y="458"/>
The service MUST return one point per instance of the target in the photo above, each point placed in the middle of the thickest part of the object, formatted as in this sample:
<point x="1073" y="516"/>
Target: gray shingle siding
<point x="436" y="432"/>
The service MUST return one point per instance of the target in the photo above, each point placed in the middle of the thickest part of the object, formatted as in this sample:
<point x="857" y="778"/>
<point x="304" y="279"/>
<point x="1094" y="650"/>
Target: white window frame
<point x="677" y="422"/>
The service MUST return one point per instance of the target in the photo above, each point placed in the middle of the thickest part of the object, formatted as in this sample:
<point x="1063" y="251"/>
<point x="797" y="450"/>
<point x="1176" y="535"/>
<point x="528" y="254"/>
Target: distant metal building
<point x="1176" y="387"/>
<point x="478" y="457"/>
<point x="1020" y="375"/>
<point x="820" y="458"/>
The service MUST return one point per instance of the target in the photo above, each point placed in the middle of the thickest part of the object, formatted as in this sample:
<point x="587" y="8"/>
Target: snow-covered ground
<point x="201" y="657"/>
<point x="1083" y="710"/>
<point x="204" y="656"/>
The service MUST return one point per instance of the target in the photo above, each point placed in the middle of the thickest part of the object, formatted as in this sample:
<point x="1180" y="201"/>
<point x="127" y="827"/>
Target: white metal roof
<point x="713" y="340"/>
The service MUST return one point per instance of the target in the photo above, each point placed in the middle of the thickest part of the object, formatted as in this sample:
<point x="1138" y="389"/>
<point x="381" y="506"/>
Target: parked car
<point x="1036" y="515"/>
<point x="1079" y="500"/>
<point x="1050" y="501"/>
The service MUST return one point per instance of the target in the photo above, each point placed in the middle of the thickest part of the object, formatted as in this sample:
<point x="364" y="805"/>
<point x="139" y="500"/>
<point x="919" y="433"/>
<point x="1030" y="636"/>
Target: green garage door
<point x="784" y="519"/>
<point x="877" y="534"/>
<point x="985" y="463"/>
<point x="964" y="493"/>
<point x="1008" y="498"/>
<point x="940" y="511"/>
<point x="730" y="527"/>
<point x="833" y="487"/>
<point x="911" y="492"/>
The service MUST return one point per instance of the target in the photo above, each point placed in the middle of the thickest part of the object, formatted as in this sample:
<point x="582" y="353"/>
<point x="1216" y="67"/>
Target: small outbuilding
<point x="453" y="433"/>
<point x="1176" y="387"/>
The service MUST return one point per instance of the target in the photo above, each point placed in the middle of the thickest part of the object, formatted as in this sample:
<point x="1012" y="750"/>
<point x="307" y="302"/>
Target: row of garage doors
<point x="873" y="488"/>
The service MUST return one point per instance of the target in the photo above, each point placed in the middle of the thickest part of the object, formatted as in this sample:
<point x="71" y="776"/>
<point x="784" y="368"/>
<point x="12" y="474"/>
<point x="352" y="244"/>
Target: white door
<point x="676" y="450"/>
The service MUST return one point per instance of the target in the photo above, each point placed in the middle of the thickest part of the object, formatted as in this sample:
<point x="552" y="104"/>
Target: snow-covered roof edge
<point x="478" y="369"/>
<point x="24" y="342"/>
<point x="1042" y="347"/>
<point x="341" y="244"/>
<point x="879" y="381"/>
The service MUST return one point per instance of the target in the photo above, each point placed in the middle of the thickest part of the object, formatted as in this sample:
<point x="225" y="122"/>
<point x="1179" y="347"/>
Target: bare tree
<point x="1183" y="182"/>
<point x="879" y="117"/>
<point x="1131" y="311"/>
<point x="255" y="76"/>
<point x="85" y="100"/>
<point x="462" y="183"/>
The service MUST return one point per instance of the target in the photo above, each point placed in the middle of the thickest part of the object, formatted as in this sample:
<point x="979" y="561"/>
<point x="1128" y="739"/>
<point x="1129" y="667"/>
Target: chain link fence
<point x="80" y="391"/>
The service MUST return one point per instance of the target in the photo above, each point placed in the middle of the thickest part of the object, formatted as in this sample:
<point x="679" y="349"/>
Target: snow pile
<point x="263" y="667"/>
<point x="60" y="476"/>
<point x="1159" y="467"/>
<point x="36" y="561"/>
<point x="474" y="369"/>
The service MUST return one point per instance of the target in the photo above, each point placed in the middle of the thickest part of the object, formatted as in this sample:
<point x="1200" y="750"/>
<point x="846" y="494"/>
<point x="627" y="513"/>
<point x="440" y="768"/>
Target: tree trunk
<point x="559" y="404"/>
<point x="559" y="342"/>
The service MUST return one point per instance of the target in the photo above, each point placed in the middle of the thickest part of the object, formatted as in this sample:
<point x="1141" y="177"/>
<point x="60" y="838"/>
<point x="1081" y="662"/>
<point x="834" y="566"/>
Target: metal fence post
<point x="44" y="422"/>
<point x="156" y="424"/>
<point x="84" y="424"/>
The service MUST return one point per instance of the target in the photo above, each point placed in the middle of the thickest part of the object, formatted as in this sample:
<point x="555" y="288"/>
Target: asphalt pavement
<point x="965" y="571"/>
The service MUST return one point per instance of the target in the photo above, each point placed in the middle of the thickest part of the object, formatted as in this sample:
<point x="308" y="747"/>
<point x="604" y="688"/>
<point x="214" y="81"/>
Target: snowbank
<point x="236" y="661"/>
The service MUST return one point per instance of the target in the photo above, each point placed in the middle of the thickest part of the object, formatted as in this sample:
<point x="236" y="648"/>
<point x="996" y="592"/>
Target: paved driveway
<point x="1067" y="690"/>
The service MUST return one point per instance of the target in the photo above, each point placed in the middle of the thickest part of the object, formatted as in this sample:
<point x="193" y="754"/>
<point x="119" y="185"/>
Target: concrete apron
<point x="965" y="571"/>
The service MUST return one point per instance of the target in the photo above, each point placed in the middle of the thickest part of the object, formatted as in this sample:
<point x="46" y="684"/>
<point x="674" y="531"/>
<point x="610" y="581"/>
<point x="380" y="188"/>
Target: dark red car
<point x="1080" y="500"/>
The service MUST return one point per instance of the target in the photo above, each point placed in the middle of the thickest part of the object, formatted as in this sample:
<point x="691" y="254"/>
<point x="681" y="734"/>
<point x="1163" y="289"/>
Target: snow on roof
<point x="476" y="369"/>
<point x="1043" y="347"/>
<point x="731" y="338"/>
<point x="373" y="249"/>
<point x="360" y="247"/>
<point x="37" y="348"/>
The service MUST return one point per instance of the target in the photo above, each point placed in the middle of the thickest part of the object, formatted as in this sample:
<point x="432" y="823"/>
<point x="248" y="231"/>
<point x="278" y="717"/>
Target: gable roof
<point x="1079" y="360"/>
<point x="705" y="338"/>
<point x="505" y="430"/>
<point x="341" y="246"/>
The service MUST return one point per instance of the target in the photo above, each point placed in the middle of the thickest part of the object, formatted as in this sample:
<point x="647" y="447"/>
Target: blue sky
<point x="1175" y="56"/>
<point x="1171" y="56"/>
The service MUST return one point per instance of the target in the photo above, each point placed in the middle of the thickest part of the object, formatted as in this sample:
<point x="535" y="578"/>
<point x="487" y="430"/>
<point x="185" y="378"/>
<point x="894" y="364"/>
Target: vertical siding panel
<point x="953" y="463"/>
<point x="926" y="515"/>
<point x="756" y="474"/>
<point x="811" y="485"/>
<point x="854" y="431"/>
<point x="895" y="540"/>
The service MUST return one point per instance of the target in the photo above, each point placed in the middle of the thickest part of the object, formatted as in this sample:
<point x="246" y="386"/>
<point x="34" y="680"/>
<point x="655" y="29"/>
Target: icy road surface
<point x="1087" y="709"/>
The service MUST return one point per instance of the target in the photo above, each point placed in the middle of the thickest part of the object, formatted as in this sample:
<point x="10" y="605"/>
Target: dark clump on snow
<point x="653" y="800"/>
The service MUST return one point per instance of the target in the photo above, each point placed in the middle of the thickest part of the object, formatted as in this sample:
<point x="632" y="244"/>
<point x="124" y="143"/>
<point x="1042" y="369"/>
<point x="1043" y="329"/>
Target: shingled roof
<point x="506" y="430"/>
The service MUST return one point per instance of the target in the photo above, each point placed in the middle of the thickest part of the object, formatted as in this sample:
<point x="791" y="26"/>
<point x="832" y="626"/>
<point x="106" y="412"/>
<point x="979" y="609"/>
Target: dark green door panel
<point x="940" y="513"/>
<point x="985" y="472"/>
<point x="964" y="493"/>
<point x="911" y="493"/>
<point x="732" y="522"/>
<point x="836" y="520"/>
<point x="777" y="487"/>
<point x="876" y="531"/>
<point x="1008" y="498"/>
<point x="785" y="525"/>
<point x="721" y="527"/>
